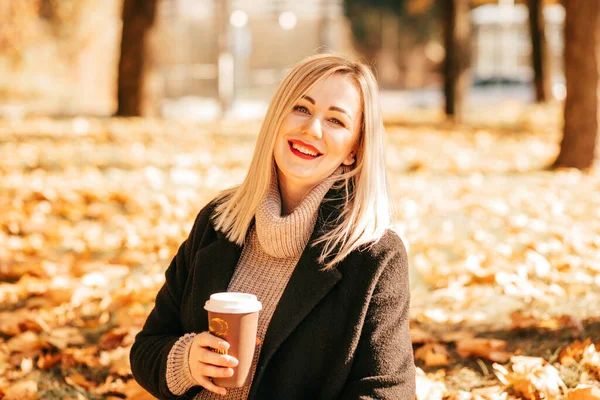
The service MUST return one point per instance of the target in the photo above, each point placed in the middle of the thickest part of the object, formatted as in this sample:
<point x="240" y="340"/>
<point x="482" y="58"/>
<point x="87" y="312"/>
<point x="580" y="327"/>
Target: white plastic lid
<point x="232" y="303"/>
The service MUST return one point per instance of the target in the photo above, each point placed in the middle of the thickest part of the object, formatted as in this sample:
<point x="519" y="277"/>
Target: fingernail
<point x="224" y="345"/>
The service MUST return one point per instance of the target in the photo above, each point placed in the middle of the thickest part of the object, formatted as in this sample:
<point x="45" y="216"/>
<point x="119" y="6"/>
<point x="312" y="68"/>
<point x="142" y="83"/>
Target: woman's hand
<point x="205" y="364"/>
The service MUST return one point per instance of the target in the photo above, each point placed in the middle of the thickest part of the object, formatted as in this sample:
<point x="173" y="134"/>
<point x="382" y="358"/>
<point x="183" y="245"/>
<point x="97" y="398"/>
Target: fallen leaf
<point x="491" y="349"/>
<point x="573" y="352"/>
<point x="27" y="343"/>
<point x="66" y="336"/>
<point x="23" y="390"/>
<point x="427" y="388"/>
<point x="456" y="336"/>
<point x="117" y="361"/>
<point x="78" y="380"/>
<point x="433" y="354"/>
<point x="419" y="336"/>
<point x="591" y="360"/>
<point x="117" y="337"/>
<point x="562" y="322"/>
<point x="584" y="392"/>
<point x="133" y="391"/>
<point x="532" y="378"/>
<point x="87" y="356"/>
<point x="48" y="360"/>
<point x="521" y="320"/>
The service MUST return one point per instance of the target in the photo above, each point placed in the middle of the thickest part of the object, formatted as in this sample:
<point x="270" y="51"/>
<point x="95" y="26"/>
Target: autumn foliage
<point x="504" y="254"/>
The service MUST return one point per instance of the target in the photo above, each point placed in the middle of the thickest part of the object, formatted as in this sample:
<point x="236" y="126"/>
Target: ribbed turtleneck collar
<point x="287" y="236"/>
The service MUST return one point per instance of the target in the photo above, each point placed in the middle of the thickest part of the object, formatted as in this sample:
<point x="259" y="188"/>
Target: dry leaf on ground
<point x="78" y="380"/>
<point x="532" y="378"/>
<point x="584" y="392"/>
<point x="90" y="221"/>
<point x="420" y="336"/>
<point x="491" y="349"/>
<point x="433" y="354"/>
<point x="428" y="388"/>
<point x="573" y="352"/>
<point x="23" y="390"/>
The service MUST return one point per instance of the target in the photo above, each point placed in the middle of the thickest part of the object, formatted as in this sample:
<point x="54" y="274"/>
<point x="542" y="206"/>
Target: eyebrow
<point x="333" y="108"/>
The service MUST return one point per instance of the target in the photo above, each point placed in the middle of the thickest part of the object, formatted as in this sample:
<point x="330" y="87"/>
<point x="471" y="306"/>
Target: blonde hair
<point x="365" y="214"/>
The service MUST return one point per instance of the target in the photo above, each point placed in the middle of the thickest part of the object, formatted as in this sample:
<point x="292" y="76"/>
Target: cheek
<point x="288" y="124"/>
<point x="340" y="144"/>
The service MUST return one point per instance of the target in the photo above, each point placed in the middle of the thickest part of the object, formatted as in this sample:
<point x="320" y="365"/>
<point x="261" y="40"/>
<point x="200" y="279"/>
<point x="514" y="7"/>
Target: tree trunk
<point x="457" y="27"/>
<point x="138" y="18"/>
<point x="225" y="62"/>
<point x="324" y="26"/>
<point x="581" y="75"/>
<point x="539" y="51"/>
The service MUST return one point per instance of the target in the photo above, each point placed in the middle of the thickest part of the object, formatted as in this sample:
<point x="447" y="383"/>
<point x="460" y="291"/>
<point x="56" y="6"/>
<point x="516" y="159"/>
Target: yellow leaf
<point x="23" y="390"/>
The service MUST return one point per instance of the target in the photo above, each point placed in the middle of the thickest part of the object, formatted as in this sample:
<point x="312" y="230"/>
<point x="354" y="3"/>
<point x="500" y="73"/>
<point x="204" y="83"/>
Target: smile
<point x="304" y="151"/>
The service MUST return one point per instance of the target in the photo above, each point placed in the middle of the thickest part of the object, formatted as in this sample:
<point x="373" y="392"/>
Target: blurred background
<point x="205" y="57"/>
<point x="121" y="119"/>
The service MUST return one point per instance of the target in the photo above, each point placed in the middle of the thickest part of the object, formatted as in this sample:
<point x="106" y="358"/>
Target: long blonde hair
<point x="366" y="212"/>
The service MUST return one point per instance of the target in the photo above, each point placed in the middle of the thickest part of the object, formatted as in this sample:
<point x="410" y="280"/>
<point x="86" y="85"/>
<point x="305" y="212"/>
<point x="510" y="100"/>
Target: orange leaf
<point x="521" y="320"/>
<point x="419" y="336"/>
<point x="491" y="349"/>
<point x="24" y="390"/>
<point x="76" y="379"/>
<point x="573" y="352"/>
<point x="584" y="392"/>
<point x="116" y="338"/>
<point x="136" y="392"/>
<point x="433" y="354"/>
<point x="47" y="361"/>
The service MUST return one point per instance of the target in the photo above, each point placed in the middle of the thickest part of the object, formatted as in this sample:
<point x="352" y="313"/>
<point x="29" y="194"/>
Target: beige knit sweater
<point x="271" y="251"/>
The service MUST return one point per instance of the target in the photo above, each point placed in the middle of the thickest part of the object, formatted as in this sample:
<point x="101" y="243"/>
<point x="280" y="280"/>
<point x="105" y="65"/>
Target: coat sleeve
<point x="383" y="366"/>
<point x="163" y="328"/>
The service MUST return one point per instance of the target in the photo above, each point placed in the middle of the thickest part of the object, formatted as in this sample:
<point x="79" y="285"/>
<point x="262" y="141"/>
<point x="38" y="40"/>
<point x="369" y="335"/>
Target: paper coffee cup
<point x="233" y="317"/>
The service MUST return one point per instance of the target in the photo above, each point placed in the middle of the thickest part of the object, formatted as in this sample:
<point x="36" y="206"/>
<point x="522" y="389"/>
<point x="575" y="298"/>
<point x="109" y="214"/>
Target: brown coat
<point x="337" y="334"/>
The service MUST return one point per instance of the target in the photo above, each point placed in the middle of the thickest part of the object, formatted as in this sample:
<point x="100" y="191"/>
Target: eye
<point x="337" y="122"/>
<point x="301" y="109"/>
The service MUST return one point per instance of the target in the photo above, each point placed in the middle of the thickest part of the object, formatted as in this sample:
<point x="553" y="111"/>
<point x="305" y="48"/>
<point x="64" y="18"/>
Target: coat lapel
<point x="308" y="284"/>
<point x="215" y="265"/>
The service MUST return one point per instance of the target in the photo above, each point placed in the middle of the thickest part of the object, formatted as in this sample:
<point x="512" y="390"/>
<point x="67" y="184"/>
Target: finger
<point x="221" y="360"/>
<point x="214" y="372"/>
<point x="205" y="339"/>
<point x="209" y="385"/>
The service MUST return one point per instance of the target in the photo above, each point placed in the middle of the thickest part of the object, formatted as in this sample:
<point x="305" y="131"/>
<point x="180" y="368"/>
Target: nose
<point x="313" y="128"/>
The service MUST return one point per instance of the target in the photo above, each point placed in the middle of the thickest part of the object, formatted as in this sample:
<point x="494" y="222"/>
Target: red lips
<point x="306" y="146"/>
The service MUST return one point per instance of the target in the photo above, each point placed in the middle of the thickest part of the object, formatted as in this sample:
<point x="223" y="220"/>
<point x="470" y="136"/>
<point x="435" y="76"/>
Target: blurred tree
<point x="138" y="18"/>
<point x="365" y="24"/>
<point x="18" y="27"/>
<point x="539" y="51"/>
<point x="457" y="29"/>
<point x="374" y="25"/>
<point x="581" y="75"/>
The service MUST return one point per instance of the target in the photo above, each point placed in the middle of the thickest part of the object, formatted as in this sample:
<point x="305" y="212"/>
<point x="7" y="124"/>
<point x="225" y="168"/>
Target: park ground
<point x="504" y="253"/>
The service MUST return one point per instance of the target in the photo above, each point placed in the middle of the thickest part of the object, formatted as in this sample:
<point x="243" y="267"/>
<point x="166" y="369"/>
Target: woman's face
<point x="320" y="133"/>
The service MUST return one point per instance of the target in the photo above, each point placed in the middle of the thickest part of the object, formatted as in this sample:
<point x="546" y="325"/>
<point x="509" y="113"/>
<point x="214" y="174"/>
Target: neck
<point x="291" y="195"/>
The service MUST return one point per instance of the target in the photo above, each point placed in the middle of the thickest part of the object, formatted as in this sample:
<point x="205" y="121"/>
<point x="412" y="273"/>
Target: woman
<point x="306" y="232"/>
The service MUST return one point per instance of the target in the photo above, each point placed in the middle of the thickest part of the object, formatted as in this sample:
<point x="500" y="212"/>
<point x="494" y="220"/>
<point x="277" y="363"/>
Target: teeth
<point x="304" y="150"/>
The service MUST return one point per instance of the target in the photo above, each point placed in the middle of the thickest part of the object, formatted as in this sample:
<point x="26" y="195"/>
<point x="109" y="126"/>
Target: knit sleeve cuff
<point x="179" y="377"/>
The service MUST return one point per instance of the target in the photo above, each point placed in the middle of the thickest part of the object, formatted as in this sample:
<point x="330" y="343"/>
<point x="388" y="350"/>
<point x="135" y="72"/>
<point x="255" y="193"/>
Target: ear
<point x="349" y="160"/>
